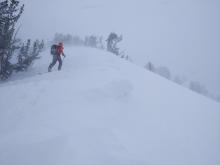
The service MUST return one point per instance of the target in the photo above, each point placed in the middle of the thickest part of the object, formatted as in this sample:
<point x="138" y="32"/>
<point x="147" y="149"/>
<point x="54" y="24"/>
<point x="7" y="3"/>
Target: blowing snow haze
<point x="100" y="107"/>
<point x="183" y="35"/>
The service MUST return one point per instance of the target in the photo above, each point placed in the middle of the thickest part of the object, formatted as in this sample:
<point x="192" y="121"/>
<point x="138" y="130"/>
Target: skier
<point x="56" y="51"/>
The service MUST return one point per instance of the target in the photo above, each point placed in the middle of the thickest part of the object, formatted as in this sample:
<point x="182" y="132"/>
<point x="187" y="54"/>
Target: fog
<point x="42" y="19"/>
<point x="183" y="35"/>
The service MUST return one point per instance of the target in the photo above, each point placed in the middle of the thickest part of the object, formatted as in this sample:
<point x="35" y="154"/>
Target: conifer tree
<point x="28" y="54"/>
<point x="10" y="12"/>
<point x="112" y="41"/>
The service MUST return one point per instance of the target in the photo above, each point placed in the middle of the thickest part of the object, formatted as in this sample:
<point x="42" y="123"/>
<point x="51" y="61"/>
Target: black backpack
<point x="53" y="50"/>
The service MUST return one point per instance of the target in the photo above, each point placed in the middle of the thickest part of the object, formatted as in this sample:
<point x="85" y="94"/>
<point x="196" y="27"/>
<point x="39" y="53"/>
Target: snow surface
<point x="103" y="110"/>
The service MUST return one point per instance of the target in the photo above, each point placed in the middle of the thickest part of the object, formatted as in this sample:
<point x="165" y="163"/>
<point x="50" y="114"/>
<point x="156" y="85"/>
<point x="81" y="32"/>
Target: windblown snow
<point x="103" y="110"/>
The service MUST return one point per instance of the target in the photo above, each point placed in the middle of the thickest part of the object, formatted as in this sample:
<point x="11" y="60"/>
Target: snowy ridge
<point x="103" y="110"/>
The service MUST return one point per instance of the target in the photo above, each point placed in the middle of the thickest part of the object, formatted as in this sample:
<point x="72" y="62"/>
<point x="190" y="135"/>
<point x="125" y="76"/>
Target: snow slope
<point x="102" y="110"/>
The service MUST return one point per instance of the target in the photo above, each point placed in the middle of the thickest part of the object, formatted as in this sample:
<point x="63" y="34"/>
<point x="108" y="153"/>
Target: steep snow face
<point x="100" y="110"/>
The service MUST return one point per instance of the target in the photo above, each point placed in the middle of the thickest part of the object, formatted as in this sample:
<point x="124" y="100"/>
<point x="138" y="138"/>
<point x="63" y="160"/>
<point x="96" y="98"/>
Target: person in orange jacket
<point x="57" y="57"/>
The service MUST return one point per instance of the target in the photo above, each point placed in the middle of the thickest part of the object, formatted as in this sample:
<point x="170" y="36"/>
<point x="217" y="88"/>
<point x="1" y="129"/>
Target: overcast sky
<point x="183" y="35"/>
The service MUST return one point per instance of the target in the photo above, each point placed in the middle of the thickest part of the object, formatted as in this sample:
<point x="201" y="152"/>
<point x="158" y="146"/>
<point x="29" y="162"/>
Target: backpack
<point x="53" y="50"/>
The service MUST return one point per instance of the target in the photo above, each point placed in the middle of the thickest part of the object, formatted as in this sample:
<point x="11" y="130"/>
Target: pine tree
<point x="27" y="48"/>
<point x="42" y="45"/>
<point x="10" y="12"/>
<point x="112" y="41"/>
<point x="35" y="48"/>
<point x="28" y="54"/>
<point x="22" y="56"/>
<point x="149" y="66"/>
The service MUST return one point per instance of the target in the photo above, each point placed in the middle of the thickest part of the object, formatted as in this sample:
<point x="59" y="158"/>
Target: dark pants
<point x="55" y="59"/>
